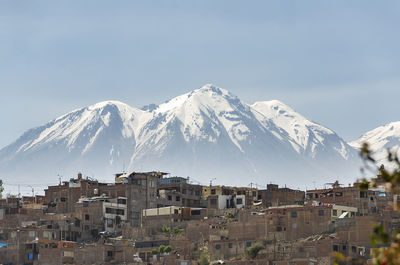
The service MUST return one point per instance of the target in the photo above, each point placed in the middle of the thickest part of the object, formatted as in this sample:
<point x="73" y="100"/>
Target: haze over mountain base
<point x="204" y="134"/>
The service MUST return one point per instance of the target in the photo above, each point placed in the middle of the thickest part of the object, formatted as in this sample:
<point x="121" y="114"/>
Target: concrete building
<point x="251" y="194"/>
<point x="98" y="214"/>
<point x="226" y="201"/>
<point x="366" y="201"/>
<point x="176" y="191"/>
<point x="141" y="193"/>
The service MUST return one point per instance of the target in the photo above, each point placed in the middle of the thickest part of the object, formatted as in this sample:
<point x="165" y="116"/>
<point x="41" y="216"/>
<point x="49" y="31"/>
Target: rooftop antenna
<point x="33" y="190"/>
<point x="211" y="180"/>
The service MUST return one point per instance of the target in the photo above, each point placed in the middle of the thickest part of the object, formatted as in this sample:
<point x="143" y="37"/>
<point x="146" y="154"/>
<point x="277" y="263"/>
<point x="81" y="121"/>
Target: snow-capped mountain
<point x="380" y="140"/>
<point x="206" y="133"/>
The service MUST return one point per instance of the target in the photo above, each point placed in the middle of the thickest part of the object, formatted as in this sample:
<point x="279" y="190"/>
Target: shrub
<point x="154" y="251"/>
<point x="167" y="249"/>
<point x="161" y="249"/>
<point x="252" y="251"/>
<point x="203" y="260"/>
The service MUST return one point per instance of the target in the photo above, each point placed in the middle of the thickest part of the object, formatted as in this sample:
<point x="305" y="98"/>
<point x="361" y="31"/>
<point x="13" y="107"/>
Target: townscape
<point x="156" y="218"/>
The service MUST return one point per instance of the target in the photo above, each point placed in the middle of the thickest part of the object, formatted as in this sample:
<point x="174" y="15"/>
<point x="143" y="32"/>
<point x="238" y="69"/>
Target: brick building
<point x="366" y="201"/>
<point x="275" y="196"/>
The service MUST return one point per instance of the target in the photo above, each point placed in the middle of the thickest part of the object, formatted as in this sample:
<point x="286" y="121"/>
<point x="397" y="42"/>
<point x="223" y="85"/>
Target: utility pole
<point x="18" y="244"/>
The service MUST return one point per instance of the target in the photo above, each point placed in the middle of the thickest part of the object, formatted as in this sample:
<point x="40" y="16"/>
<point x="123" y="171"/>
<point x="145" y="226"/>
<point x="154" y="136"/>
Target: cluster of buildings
<point x="149" y="218"/>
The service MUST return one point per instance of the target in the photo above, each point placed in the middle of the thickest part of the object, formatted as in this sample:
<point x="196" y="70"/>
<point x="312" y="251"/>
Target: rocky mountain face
<point x="207" y="133"/>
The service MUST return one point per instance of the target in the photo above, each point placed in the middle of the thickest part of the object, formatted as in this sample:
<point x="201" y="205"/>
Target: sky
<point x="336" y="62"/>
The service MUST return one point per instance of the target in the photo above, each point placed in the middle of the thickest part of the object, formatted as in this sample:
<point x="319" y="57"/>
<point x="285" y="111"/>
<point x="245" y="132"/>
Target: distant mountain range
<point x="204" y="134"/>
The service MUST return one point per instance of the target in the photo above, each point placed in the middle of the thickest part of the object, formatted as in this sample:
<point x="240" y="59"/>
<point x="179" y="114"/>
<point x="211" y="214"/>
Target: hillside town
<point x="153" y="218"/>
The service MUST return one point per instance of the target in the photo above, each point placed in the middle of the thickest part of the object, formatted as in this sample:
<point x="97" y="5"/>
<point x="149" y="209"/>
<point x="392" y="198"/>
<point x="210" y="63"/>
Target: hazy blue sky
<point x="336" y="62"/>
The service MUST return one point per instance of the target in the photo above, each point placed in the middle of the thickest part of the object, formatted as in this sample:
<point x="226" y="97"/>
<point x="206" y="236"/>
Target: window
<point x="230" y="245"/>
<point x="176" y="211"/>
<point x="321" y="212"/>
<point x="86" y="227"/>
<point x="183" y="191"/>
<point x="363" y="194"/>
<point x="183" y="201"/>
<point x="109" y="253"/>
<point x="169" y="197"/>
<point x="213" y="201"/>
<point x="108" y="210"/>
<point x="344" y="247"/>
<point x="248" y="244"/>
<point x="239" y="201"/>
<point x="110" y="223"/>
<point x="335" y="248"/>
<point x="197" y="192"/>
<point x="294" y="214"/>
<point x="294" y="225"/>
<point x="151" y="184"/>
<point x="87" y="217"/>
<point x="334" y="212"/>
<point x="178" y="198"/>
<point x="217" y="246"/>
<point x="63" y="199"/>
<point x="121" y="201"/>
<point x="213" y="191"/>
<point x="196" y="212"/>
<point x="254" y="194"/>
<point x="279" y="229"/>
<point x="353" y="249"/>
<point x="120" y="212"/>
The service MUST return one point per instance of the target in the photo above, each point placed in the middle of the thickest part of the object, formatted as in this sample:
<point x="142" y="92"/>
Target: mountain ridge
<point x="205" y="132"/>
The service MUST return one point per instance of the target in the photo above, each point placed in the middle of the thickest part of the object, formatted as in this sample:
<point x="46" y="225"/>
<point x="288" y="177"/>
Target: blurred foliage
<point x="387" y="246"/>
<point x="252" y="251"/>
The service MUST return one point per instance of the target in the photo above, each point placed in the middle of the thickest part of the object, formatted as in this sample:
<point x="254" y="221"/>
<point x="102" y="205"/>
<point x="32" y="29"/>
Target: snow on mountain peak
<point x="380" y="140"/>
<point x="305" y="135"/>
<point x="207" y="126"/>
<point x="204" y="113"/>
<point x="103" y="104"/>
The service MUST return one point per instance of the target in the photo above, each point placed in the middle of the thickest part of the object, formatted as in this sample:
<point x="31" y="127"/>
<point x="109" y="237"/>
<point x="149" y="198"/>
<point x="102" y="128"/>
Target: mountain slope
<point x="99" y="135"/>
<point x="205" y="133"/>
<point x="306" y="137"/>
<point x="380" y="140"/>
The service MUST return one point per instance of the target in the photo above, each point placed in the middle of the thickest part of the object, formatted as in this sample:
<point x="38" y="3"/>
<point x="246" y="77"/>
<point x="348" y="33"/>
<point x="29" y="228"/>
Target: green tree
<point x="252" y="251"/>
<point x="161" y="249"/>
<point x="168" y="249"/>
<point x="166" y="229"/>
<point x="154" y="251"/>
<point x="203" y="260"/>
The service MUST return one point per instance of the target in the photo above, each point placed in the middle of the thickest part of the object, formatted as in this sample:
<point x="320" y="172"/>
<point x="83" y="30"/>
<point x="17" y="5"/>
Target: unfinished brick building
<point x="275" y="196"/>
